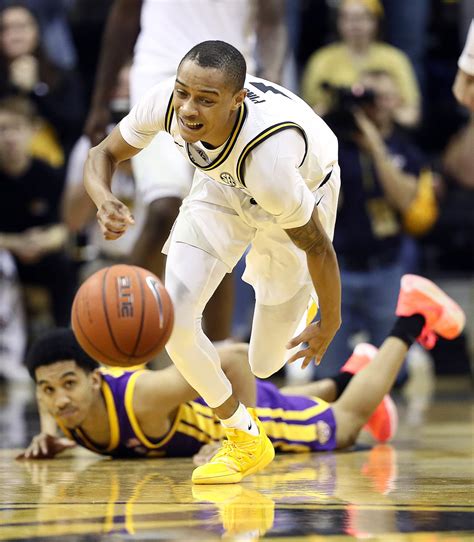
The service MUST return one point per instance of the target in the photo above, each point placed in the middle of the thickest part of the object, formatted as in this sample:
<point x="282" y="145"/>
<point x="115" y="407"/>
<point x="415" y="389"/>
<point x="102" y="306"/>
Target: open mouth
<point x="193" y="126"/>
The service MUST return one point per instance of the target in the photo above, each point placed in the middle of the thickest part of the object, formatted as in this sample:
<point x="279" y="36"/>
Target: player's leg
<point x="383" y="422"/>
<point x="272" y="328"/>
<point x="424" y="311"/>
<point x="192" y="275"/>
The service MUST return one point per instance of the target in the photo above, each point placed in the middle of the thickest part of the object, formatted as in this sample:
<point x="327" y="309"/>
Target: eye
<point x="180" y="92"/>
<point x="206" y="101"/>
<point x="48" y="390"/>
<point x="69" y="384"/>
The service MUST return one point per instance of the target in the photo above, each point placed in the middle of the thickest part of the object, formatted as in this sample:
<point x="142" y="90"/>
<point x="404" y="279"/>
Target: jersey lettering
<point x="262" y="87"/>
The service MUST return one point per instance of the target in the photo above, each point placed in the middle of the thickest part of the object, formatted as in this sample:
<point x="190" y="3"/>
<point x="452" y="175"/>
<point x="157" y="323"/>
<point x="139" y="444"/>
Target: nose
<point x="62" y="401"/>
<point x="188" y="109"/>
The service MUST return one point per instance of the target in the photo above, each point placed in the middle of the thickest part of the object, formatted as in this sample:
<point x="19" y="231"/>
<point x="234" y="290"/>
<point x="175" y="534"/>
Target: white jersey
<point x="170" y="28"/>
<point x="270" y="113"/>
<point x="466" y="60"/>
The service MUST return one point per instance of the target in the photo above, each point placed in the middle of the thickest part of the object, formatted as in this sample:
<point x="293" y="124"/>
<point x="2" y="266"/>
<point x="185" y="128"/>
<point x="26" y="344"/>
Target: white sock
<point x="242" y="420"/>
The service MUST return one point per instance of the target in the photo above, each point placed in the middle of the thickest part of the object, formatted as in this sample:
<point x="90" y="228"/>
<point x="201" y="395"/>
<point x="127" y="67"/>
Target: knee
<point x="260" y="370"/>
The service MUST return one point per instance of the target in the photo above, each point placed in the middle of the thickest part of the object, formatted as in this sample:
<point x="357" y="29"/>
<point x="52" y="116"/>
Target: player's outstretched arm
<point x="46" y="444"/>
<point x="161" y="392"/>
<point x="113" y="216"/>
<point x="324" y="271"/>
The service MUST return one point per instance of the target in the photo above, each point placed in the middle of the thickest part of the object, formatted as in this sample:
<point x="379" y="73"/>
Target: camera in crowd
<point x="344" y="100"/>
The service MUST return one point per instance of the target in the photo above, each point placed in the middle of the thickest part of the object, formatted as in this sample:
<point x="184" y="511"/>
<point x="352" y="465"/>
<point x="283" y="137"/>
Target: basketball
<point x="122" y="315"/>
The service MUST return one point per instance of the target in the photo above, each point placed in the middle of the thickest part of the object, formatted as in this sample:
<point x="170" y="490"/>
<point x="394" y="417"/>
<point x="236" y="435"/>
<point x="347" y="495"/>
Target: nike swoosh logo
<point x="250" y="426"/>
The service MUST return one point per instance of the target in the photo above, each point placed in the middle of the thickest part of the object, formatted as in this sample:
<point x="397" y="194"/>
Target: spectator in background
<point x="384" y="191"/>
<point x="27" y="70"/>
<point x="78" y="210"/>
<point x="340" y="64"/>
<point x="255" y="27"/>
<point x="53" y="18"/>
<point x="463" y="87"/>
<point x="30" y="228"/>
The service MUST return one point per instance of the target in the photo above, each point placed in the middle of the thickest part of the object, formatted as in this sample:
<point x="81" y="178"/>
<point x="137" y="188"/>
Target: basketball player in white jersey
<point x="168" y="29"/>
<point x="267" y="174"/>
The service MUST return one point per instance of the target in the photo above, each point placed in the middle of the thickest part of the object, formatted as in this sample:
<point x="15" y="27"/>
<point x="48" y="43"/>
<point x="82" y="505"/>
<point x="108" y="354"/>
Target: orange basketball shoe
<point x="383" y="423"/>
<point x="443" y="316"/>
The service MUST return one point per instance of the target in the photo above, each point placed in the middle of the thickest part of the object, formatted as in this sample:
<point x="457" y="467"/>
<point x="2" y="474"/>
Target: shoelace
<point x="230" y="450"/>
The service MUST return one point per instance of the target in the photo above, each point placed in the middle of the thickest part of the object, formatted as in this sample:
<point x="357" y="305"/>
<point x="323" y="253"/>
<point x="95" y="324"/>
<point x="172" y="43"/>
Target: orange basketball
<point x="122" y="315"/>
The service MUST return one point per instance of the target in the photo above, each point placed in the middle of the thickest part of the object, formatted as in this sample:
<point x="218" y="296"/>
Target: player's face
<point x="204" y="104"/>
<point x="66" y="391"/>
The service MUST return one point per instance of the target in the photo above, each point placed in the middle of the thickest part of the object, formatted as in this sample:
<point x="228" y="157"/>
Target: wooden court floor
<point x="419" y="488"/>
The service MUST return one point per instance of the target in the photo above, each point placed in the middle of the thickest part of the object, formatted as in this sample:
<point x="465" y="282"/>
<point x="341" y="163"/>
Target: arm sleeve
<point x="466" y="60"/>
<point x="273" y="178"/>
<point x="147" y="117"/>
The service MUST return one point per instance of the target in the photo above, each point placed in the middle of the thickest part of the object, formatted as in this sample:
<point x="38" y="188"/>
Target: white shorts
<point x="160" y="170"/>
<point x="221" y="221"/>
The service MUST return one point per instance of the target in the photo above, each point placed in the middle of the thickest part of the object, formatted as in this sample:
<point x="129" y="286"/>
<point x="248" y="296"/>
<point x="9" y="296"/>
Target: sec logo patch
<point x="227" y="179"/>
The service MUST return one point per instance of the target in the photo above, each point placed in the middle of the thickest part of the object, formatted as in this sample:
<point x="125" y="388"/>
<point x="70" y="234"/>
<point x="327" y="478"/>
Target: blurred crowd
<point x="379" y="71"/>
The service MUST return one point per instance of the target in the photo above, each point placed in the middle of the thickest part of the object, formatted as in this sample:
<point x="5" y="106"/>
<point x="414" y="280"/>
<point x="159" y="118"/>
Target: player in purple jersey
<point x="156" y="413"/>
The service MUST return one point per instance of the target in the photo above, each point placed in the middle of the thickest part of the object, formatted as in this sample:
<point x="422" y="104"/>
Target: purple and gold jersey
<point x="293" y="423"/>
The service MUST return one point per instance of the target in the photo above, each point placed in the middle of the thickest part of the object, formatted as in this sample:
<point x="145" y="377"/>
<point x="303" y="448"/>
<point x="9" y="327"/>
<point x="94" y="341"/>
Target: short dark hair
<point x="222" y="56"/>
<point x="57" y="345"/>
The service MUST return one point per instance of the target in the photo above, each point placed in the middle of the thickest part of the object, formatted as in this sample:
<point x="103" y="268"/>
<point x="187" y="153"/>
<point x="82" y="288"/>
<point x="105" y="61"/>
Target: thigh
<point x="275" y="267"/>
<point x="161" y="171"/>
<point x="207" y="221"/>
<point x="192" y="276"/>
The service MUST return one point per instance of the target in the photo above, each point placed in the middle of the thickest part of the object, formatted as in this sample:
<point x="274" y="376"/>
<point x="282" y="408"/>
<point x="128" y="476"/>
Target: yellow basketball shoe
<point x="240" y="455"/>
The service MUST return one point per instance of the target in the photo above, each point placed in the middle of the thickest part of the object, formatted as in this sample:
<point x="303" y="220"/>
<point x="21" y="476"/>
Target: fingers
<point x="37" y="449"/>
<point x="43" y="447"/>
<point x="114" y="218"/>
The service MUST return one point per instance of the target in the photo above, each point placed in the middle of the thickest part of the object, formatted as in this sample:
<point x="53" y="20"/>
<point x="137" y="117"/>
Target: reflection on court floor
<point x="419" y="488"/>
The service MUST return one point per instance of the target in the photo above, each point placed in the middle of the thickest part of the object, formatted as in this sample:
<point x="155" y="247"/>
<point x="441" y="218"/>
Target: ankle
<point x="408" y="328"/>
<point x="242" y="420"/>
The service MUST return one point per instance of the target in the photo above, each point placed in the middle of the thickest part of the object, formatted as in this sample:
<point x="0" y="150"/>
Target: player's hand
<point x="44" y="446"/>
<point x="96" y="124"/>
<point x="114" y="218"/>
<point x="318" y="337"/>
<point x="463" y="89"/>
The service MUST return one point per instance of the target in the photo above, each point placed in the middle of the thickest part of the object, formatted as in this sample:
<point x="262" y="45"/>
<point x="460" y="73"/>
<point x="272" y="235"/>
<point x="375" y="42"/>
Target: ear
<point x="239" y="98"/>
<point x="96" y="379"/>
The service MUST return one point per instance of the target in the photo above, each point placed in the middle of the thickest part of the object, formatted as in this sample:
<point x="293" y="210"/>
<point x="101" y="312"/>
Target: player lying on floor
<point x="156" y="413"/>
